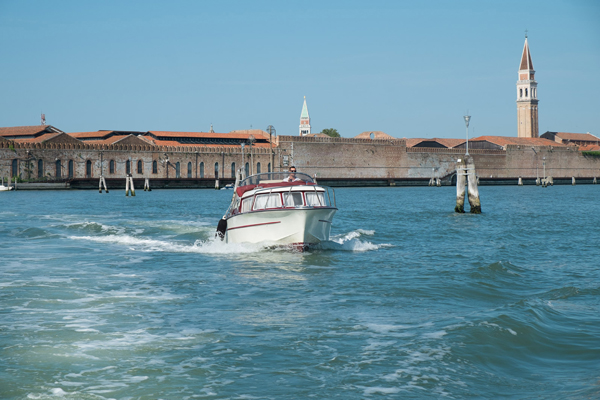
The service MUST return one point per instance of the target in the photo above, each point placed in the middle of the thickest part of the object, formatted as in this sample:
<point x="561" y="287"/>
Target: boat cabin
<point x="277" y="191"/>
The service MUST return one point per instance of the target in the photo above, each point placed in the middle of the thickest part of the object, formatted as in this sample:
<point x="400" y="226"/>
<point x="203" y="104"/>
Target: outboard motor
<point x="221" y="228"/>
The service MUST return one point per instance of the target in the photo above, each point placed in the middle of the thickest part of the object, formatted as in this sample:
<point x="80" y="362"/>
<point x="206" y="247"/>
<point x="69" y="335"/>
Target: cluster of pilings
<point x="466" y="181"/>
<point x="435" y="182"/>
<point x="129" y="188"/>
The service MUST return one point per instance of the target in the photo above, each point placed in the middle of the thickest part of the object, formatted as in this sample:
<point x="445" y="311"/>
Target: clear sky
<point x="408" y="68"/>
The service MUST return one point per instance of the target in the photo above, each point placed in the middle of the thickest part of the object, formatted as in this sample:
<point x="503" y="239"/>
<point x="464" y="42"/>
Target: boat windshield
<point x="272" y="177"/>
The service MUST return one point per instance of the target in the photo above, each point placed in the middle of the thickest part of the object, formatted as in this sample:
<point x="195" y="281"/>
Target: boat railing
<point x="273" y="177"/>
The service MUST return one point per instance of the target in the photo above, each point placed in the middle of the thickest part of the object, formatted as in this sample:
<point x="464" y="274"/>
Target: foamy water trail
<point x="210" y="246"/>
<point x="351" y="241"/>
<point x="135" y="237"/>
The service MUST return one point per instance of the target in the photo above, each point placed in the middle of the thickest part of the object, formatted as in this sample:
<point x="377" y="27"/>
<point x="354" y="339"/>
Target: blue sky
<point x="408" y="68"/>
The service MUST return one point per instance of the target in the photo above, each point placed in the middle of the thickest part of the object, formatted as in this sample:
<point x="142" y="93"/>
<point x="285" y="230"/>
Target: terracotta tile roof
<point x="175" y="143"/>
<point x="448" y="143"/>
<point x="39" y="139"/>
<point x="410" y="142"/>
<point x="506" y="140"/>
<point x="87" y="135"/>
<point x="590" y="147"/>
<point x="208" y="135"/>
<point x="256" y="132"/>
<point x="585" y="137"/>
<point x="110" y="140"/>
<point x="28" y="130"/>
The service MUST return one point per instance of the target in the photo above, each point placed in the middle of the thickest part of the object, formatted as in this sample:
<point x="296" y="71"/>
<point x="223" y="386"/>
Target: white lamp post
<point x="467" y="119"/>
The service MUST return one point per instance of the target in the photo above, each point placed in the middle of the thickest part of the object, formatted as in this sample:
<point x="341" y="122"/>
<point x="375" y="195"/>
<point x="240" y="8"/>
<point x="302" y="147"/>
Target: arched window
<point x="269" y="167"/>
<point x="525" y="92"/>
<point x="111" y="166"/>
<point x="178" y="170"/>
<point x="88" y="169"/>
<point x="140" y="167"/>
<point x="15" y="168"/>
<point x="154" y="167"/>
<point x="201" y="170"/>
<point x="128" y="167"/>
<point x="233" y="170"/>
<point x="521" y="92"/>
<point x="58" y="169"/>
<point x="216" y="170"/>
<point x="189" y="170"/>
<point x="247" y="169"/>
<point x="40" y="168"/>
<point x="72" y="169"/>
<point x="258" y="168"/>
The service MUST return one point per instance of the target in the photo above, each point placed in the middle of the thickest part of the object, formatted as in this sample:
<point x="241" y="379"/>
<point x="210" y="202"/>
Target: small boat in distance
<point x="5" y="188"/>
<point x="274" y="207"/>
<point x="228" y="186"/>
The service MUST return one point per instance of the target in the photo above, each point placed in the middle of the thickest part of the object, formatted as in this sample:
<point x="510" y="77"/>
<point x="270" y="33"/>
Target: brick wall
<point x="326" y="157"/>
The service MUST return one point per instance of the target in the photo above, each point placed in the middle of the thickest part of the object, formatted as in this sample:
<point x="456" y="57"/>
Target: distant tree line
<point x="331" y="132"/>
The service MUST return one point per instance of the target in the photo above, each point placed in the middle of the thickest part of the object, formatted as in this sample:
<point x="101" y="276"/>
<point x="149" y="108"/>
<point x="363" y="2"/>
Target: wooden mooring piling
<point x="466" y="181"/>
<point x="102" y="184"/>
<point x="129" y="186"/>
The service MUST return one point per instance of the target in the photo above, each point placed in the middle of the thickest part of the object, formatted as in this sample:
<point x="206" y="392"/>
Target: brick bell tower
<point x="304" y="120"/>
<point x="527" y="101"/>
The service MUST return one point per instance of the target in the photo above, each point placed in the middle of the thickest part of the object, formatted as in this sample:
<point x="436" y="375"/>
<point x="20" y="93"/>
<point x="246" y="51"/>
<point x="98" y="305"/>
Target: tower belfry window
<point x="525" y="92"/>
<point x="521" y="92"/>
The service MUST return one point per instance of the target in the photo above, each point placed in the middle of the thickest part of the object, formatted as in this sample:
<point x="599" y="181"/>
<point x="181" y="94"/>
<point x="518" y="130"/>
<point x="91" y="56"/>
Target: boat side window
<point x="293" y="199"/>
<point x="267" y="201"/>
<point x="247" y="204"/>
<point x="315" y="199"/>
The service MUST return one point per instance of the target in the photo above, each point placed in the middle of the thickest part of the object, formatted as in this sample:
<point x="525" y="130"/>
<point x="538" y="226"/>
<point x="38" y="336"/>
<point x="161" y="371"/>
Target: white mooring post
<point x="473" y="190"/>
<point x="217" y="184"/>
<point x="520" y="181"/>
<point x="438" y="182"/>
<point x="129" y="186"/>
<point x="101" y="184"/>
<point x="594" y="181"/>
<point x="147" y="185"/>
<point x="461" y="176"/>
<point x="573" y="181"/>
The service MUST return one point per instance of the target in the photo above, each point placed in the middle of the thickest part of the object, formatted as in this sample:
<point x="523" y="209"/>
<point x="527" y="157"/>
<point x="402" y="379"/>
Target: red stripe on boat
<point x="248" y="226"/>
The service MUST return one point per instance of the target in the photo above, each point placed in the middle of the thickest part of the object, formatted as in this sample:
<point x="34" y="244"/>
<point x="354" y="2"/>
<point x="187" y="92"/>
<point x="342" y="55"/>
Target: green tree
<point x="331" y="132"/>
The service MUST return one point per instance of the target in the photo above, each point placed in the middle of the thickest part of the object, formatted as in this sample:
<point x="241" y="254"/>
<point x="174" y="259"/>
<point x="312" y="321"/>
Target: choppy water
<point x="114" y="297"/>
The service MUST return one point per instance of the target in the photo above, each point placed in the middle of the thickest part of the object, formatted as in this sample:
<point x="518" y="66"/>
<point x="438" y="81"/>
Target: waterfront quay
<point x="63" y="161"/>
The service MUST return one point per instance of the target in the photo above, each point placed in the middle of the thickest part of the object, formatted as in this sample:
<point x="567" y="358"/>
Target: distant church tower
<point x="527" y="101"/>
<point x="304" y="120"/>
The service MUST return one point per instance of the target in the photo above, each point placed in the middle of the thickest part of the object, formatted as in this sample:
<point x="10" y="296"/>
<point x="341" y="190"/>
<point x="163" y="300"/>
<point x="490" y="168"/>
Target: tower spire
<point x="304" y="120"/>
<point x="527" y="101"/>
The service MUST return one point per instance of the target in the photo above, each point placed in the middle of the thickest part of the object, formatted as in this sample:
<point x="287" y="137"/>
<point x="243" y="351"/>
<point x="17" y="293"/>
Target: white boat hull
<point x="296" y="226"/>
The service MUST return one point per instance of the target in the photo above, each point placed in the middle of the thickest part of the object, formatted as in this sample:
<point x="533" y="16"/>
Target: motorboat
<point x="5" y="188"/>
<point x="228" y="186"/>
<point x="274" y="208"/>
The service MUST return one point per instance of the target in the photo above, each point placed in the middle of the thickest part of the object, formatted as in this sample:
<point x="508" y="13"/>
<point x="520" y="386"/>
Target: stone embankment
<point x="335" y="161"/>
